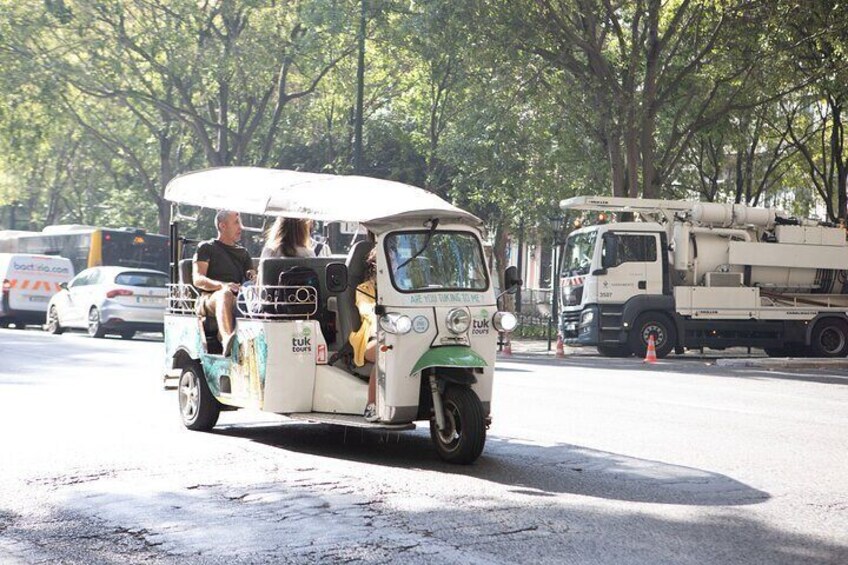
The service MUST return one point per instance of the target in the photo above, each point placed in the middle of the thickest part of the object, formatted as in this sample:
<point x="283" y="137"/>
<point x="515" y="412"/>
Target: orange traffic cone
<point x="507" y="348"/>
<point x="651" y="354"/>
<point x="560" y="350"/>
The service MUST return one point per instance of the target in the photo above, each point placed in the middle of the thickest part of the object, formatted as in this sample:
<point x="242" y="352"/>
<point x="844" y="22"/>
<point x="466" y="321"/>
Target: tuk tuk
<point x="436" y="308"/>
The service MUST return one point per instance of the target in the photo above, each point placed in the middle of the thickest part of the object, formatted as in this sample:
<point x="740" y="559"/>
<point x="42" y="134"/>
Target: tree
<point x="815" y="37"/>
<point x="217" y="75"/>
<point x="652" y="74"/>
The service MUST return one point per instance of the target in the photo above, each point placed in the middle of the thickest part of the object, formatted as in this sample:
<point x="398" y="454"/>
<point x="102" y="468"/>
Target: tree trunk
<point x="837" y="156"/>
<point x="499" y="252"/>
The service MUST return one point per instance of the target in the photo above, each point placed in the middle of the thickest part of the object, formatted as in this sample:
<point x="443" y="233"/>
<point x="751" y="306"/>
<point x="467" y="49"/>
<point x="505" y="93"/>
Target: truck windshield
<point x="452" y="260"/>
<point x="578" y="254"/>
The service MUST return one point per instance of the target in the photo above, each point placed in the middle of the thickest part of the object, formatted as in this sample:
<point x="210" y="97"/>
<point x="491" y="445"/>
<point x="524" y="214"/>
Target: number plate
<point x="150" y="300"/>
<point x="39" y="298"/>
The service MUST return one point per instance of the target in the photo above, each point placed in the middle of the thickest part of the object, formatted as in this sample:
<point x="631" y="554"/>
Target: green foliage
<point x="504" y="108"/>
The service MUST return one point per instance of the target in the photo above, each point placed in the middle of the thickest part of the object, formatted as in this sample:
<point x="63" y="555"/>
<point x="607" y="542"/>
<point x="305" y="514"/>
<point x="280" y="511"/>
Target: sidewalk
<point x="732" y="357"/>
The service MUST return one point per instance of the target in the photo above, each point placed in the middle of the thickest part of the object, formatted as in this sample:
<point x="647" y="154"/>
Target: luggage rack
<point x="182" y="298"/>
<point x="264" y="302"/>
<point x="274" y="302"/>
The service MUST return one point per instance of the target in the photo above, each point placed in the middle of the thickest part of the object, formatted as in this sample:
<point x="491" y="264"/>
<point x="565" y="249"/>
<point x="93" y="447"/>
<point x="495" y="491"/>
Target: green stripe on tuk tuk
<point x="449" y="356"/>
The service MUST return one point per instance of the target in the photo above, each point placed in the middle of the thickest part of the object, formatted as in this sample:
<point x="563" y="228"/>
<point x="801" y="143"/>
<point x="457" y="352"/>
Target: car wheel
<point x="830" y="338"/>
<point x="660" y="326"/>
<point x="127" y="334"/>
<point x="95" y="328"/>
<point x="464" y="435"/>
<point x="53" y="326"/>
<point x="198" y="408"/>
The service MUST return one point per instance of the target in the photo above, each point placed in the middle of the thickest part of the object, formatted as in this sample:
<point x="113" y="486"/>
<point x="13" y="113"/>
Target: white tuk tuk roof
<point x="276" y="192"/>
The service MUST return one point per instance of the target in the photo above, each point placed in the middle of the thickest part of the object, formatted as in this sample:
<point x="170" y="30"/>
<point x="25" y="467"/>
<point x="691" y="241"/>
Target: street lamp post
<point x="553" y="320"/>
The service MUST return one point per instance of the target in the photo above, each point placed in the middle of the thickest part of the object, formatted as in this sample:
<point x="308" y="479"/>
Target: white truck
<point x="703" y="275"/>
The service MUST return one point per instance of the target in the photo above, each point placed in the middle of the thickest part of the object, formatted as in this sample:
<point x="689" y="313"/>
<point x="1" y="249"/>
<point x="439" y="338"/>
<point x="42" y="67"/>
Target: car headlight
<point x="505" y="321"/>
<point x="395" y="323"/>
<point x="587" y="317"/>
<point x="458" y="320"/>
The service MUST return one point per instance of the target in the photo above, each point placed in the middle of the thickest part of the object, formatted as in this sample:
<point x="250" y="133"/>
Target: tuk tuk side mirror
<point x="609" y="252"/>
<point x="336" y="277"/>
<point x="511" y="280"/>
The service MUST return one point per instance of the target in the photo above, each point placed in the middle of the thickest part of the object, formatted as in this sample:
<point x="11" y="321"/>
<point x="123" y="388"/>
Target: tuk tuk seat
<point x="271" y="268"/>
<point x="210" y="324"/>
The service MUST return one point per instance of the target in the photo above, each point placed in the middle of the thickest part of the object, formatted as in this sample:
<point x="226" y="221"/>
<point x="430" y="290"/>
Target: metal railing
<point x="534" y="319"/>
<point x="272" y="302"/>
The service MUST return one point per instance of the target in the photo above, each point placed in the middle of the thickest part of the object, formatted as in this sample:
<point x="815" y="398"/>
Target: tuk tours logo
<point x="481" y="323"/>
<point x="302" y="341"/>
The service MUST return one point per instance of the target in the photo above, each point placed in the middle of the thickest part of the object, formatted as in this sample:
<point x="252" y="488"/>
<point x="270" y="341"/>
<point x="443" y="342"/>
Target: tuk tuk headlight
<point x="395" y="323"/>
<point x="504" y="321"/>
<point x="458" y="320"/>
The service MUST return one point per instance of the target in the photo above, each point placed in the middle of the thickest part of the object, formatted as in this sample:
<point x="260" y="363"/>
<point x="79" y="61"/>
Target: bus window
<point x="134" y="249"/>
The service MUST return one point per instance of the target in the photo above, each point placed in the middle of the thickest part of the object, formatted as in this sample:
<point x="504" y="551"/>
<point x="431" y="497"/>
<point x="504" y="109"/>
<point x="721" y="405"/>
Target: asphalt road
<point x="589" y="460"/>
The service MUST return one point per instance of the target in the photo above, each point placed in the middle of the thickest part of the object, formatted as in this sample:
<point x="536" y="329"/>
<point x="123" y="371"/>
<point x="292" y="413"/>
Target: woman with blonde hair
<point x="289" y="237"/>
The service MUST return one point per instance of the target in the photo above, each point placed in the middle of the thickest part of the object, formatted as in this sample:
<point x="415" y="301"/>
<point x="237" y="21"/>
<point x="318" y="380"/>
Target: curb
<point x="790" y="362"/>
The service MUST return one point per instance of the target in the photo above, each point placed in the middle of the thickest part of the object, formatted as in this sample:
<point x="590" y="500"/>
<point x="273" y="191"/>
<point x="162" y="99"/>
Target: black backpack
<point x="301" y="297"/>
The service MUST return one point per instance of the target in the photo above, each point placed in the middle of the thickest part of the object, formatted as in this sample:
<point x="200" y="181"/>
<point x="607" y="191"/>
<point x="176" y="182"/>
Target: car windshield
<point x="578" y="254"/>
<point x="450" y="260"/>
<point x="152" y="280"/>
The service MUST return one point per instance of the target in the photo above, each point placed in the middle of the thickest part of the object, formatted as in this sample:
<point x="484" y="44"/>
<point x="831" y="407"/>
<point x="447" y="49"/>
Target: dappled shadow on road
<point x="313" y="515"/>
<point x="542" y="469"/>
<point x="691" y="366"/>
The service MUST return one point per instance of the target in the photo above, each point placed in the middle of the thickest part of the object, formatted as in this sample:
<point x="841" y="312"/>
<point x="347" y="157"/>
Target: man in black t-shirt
<point x="219" y="267"/>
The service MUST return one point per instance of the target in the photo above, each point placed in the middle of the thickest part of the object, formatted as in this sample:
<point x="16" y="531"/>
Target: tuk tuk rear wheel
<point x="198" y="408"/>
<point x="464" y="435"/>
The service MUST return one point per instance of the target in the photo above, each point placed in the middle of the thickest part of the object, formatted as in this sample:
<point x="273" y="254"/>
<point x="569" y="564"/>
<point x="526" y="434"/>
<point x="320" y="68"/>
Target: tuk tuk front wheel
<point x="464" y="435"/>
<point x="198" y="409"/>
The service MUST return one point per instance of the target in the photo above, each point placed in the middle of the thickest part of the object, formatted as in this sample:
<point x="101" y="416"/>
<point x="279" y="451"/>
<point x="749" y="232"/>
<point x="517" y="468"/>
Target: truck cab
<point x="604" y="269"/>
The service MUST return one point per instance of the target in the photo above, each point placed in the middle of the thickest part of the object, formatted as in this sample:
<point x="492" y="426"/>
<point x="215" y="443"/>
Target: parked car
<point x="28" y="283"/>
<point x="110" y="300"/>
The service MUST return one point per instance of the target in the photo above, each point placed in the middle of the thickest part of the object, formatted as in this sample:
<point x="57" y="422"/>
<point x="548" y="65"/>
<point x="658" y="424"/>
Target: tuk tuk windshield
<point x="449" y="260"/>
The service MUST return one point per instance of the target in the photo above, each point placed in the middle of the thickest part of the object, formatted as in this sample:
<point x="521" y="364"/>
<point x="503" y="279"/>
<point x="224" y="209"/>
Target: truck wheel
<point x="95" y="328"/>
<point x="614" y="350"/>
<point x="464" y="435"/>
<point x="830" y="338"/>
<point x="199" y="410"/>
<point x="53" y="326"/>
<point x="665" y="336"/>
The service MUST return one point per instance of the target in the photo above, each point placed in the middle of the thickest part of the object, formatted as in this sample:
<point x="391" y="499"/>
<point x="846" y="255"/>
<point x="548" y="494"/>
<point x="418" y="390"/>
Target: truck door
<point x="632" y="264"/>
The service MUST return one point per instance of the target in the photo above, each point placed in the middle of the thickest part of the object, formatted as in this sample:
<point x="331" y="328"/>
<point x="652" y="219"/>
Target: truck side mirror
<point x="336" y="274"/>
<point x="609" y="252"/>
<point x="511" y="280"/>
